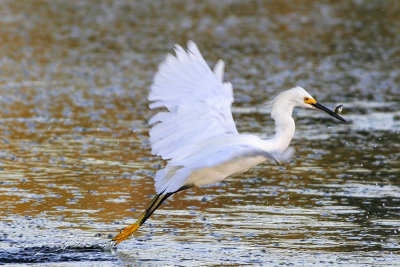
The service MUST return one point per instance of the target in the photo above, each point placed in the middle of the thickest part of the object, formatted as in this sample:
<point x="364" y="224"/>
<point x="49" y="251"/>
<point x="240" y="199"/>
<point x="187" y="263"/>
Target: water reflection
<point x="74" y="158"/>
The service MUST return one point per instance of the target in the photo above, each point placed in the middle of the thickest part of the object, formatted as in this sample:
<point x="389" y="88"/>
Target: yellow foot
<point x="125" y="233"/>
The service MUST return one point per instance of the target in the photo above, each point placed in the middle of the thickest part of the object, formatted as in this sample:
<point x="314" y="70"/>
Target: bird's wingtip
<point x="190" y="43"/>
<point x="219" y="69"/>
<point x="177" y="47"/>
<point x="192" y="47"/>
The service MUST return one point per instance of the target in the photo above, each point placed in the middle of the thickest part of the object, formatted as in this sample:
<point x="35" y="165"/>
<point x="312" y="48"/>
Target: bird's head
<point x="299" y="97"/>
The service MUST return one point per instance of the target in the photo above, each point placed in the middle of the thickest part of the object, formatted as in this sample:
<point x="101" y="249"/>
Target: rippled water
<point x="75" y="164"/>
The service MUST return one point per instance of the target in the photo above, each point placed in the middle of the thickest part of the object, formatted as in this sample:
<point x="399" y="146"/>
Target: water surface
<point x="75" y="164"/>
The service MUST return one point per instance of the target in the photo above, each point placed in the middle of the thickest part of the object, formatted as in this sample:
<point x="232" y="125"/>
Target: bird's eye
<point x="306" y="99"/>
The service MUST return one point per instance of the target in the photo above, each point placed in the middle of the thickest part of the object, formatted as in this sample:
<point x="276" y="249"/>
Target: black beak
<point x="327" y="110"/>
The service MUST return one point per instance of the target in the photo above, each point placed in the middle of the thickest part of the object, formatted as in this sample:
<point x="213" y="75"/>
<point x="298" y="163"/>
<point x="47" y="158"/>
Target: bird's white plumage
<point x="196" y="133"/>
<point x="198" y="103"/>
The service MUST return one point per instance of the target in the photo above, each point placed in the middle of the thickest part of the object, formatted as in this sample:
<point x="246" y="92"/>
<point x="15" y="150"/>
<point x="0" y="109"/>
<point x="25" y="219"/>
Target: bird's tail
<point x="154" y="204"/>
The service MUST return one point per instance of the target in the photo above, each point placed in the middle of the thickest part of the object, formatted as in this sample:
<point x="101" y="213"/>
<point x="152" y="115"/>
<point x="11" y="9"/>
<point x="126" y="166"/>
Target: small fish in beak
<point x="327" y="110"/>
<point x="338" y="109"/>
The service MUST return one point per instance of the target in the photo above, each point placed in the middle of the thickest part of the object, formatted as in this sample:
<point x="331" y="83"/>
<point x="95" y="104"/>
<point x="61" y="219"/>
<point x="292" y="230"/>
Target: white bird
<point x="196" y="133"/>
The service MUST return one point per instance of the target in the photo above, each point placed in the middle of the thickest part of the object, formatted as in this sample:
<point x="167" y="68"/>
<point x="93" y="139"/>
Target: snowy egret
<point x="196" y="133"/>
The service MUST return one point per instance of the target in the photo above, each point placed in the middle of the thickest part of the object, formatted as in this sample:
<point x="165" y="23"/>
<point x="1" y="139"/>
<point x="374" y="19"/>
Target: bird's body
<point x="196" y="133"/>
<point x="220" y="157"/>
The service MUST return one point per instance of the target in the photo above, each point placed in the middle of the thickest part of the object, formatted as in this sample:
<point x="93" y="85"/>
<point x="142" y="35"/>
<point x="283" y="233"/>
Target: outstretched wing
<point x="197" y="100"/>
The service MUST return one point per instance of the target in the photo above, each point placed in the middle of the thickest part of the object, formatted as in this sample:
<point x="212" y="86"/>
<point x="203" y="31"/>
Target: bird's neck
<point x="284" y="124"/>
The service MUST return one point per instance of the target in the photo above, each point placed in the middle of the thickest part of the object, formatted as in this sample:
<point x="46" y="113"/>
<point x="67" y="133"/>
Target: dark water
<point x="74" y="157"/>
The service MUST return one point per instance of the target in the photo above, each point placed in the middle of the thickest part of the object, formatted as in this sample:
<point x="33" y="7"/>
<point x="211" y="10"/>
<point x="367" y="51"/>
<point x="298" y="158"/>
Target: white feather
<point x="199" y="104"/>
<point x="219" y="70"/>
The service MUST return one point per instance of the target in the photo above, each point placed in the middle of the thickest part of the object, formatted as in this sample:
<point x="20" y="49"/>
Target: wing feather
<point x="197" y="100"/>
<point x="219" y="69"/>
